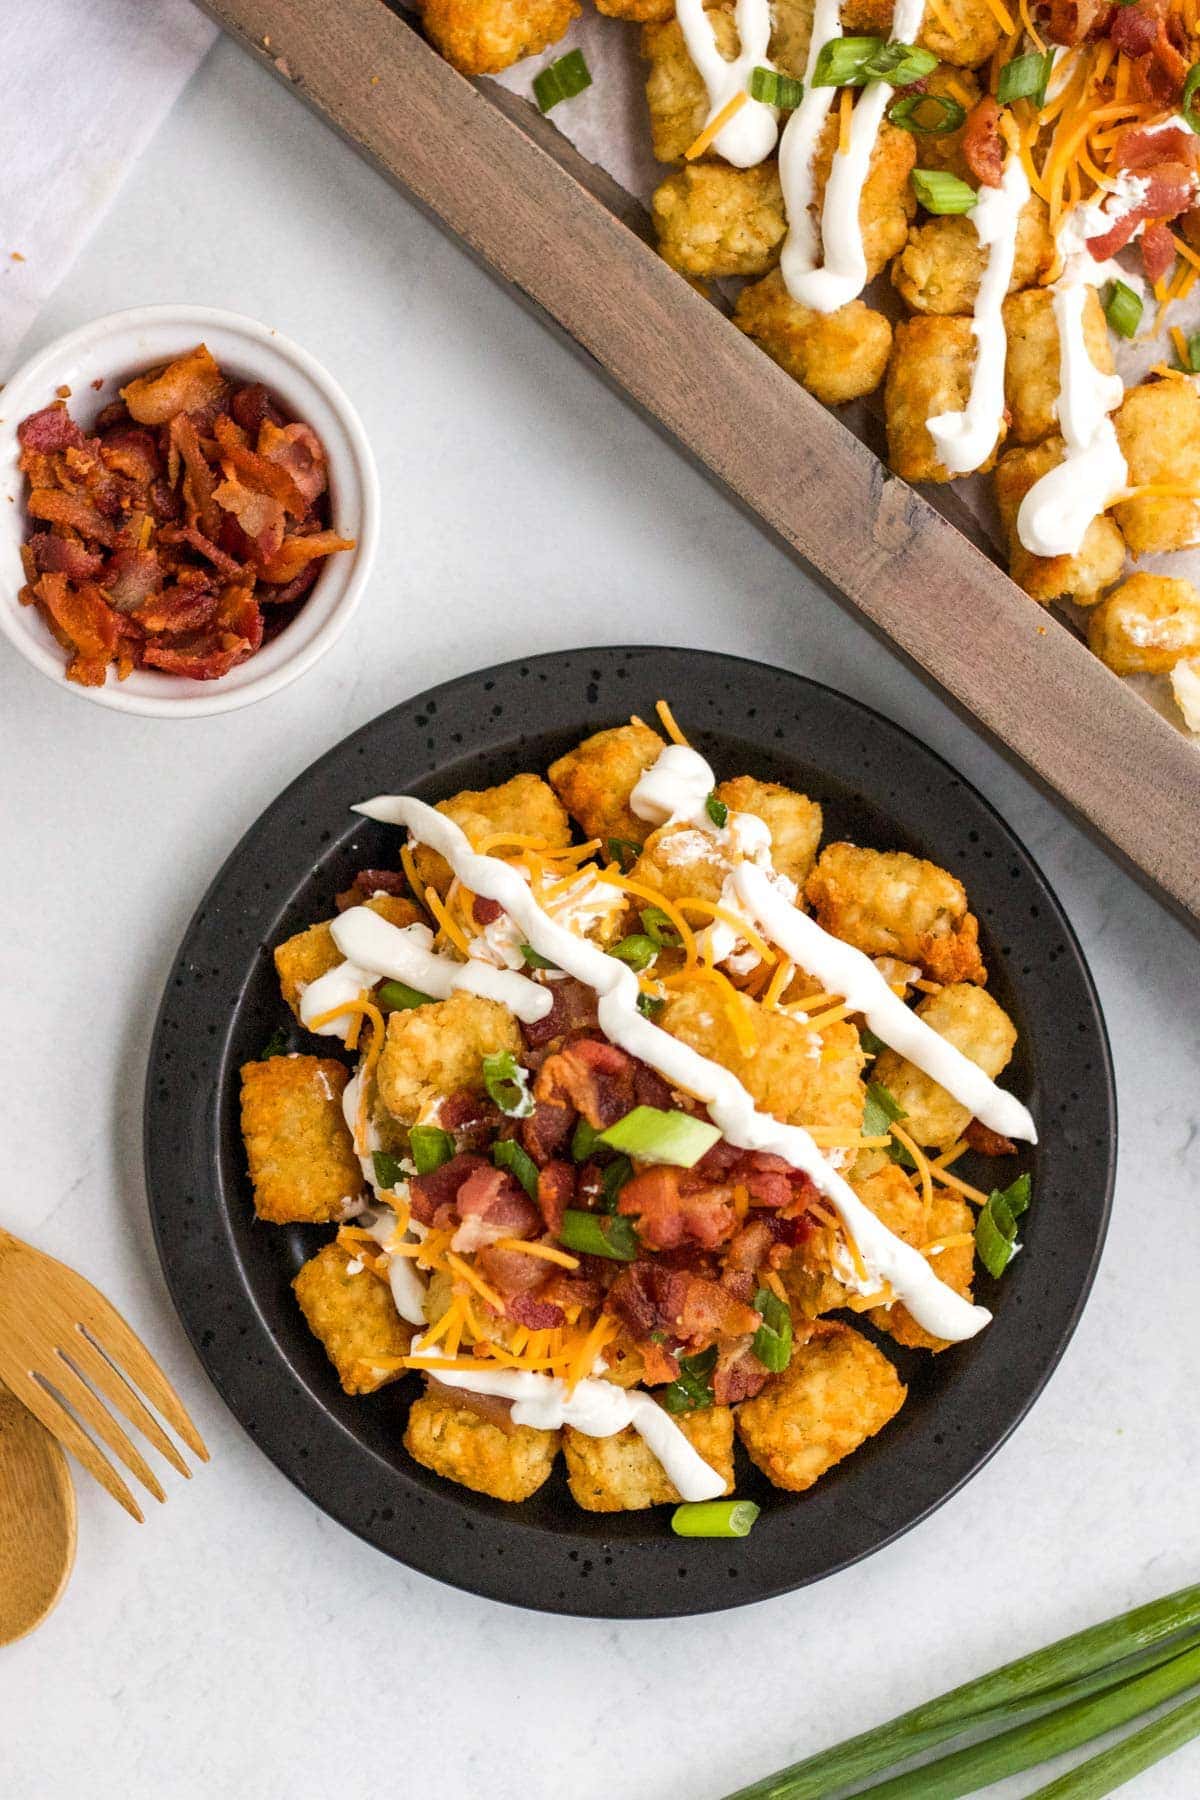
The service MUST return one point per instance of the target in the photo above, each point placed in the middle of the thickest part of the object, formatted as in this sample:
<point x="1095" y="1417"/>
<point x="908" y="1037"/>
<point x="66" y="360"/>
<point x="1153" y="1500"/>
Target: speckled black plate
<point x="230" y="1276"/>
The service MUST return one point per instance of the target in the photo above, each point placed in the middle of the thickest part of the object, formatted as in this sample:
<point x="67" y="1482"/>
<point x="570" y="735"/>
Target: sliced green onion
<point x="618" y="1172"/>
<point x="508" y="1084"/>
<point x="658" y="927"/>
<point x="562" y="80"/>
<point x="881" y="1110"/>
<point x="900" y="64"/>
<point x="941" y="193"/>
<point x="717" y="810"/>
<point x="874" y="1046"/>
<point x="1189" y="89"/>
<point x="508" y="1154"/>
<point x="638" y="950"/>
<point x="598" y="1234"/>
<point x="620" y="848"/>
<point x="430" y="1146"/>
<point x="1087" y="1662"/>
<point x="773" y="1340"/>
<point x="655" y="1136"/>
<point x="1192" y="360"/>
<point x="841" y="61"/>
<point x="397" y="996"/>
<point x="896" y="1153"/>
<point x="996" y="1226"/>
<point x="1026" y="78"/>
<point x="390" y="1171"/>
<point x="1123" y="309"/>
<point x="650" y="1006"/>
<point x="276" y="1045"/>
<point x="776" y="89"/>
<point x="714" y="1518"/>
<point x="534" y="958"/>
<point x="691" y="1391"/>
<point x="929" y="115"/>
<point x="584" y="1141"/>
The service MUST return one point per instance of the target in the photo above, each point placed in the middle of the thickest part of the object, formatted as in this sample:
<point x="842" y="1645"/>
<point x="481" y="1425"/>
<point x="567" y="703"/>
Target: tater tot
<point x="526" y="804"/>
<point x="791" y="34"/>
<point x="641" y="12"/>
<point x="1031" y="374"/>
<point x="595" y="780"/>
<point x="1158" y="427"/>
<point x="887" y="202"/>
<point x="942" y="264"/>
<point x="355" y="1318"/>
<point x="675" y="91"/>
<point x="967" y="1017"/>
<point x="837" y="356"/>
<point x="888" y="903"/>
<point x="622" y="1474"/>
<point x="1099" y="560"/>
<point x="968" y="37"/>
<point x="795" y="821"/>
<point x="457" y="1443"/>
<point x="950" y="1232"/>
<point x="481" y="37"/>
<point x="1147" y="625"/>
<point x="837" y="1391"/>
<point x="929" y="373"/>
<point x="713" y="220"/>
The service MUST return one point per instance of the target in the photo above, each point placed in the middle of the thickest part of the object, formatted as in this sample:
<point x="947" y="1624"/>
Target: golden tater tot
<point x="1147" y="625"/>
<point x="973" y="33"/>
<point x="481" y="37"/>
<point x="810" y="1280"/>
<point x="887" y="202"/>
<point x="887" y="903"/>
<point x="595" y="780"/>
<point x="457" y="1443"/>
<point x="1031" y="373"/>
<point x="526" y="805"/>
<point x="943" y="150"/>
<point x="436" y="1050"/>
<point x="942" y="264"/>
<point x="355" y="1318"/>
<point x="837" y="1391"/>
<point x="933" y="359"/>
<point x="1158" y="427"/>
<point x="682" y="862"/>
<point x="302" y="1163"/>
<point x="803" y="1077"/>
<point x="791" y="34"/>
<point x="641" y="12"/>
<point x="675" y="91"/>
<point x="967" y="1017"/>
<point x="795" y="821"/>
<point x="622" y="1474"/>
<point x="713" y="220"/>
<point x="837" y="356"/>
<point x="1099" y="560"/>
<point x="949" y="1232"/>
<point x="304" y="958"/>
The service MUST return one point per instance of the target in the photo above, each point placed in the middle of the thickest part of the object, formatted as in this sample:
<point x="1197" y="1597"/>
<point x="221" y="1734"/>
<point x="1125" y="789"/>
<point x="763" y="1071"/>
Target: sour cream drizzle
<point x="932" y="1304"/>
<point x="966" y="439"/>
<point x="844" y="274"/>
<point x="750" y="135"/>
<point x="375" y="948"/>
<point x="1055" y="514"/>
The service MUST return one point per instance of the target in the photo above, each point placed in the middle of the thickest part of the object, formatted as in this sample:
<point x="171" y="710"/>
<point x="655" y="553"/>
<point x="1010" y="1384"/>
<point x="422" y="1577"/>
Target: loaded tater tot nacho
<point x="962" y="207"/>
<point x="619" y="1086"/>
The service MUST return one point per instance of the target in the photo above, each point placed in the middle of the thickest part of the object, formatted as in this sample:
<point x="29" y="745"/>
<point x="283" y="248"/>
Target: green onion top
<point x="655" y="1136"/>
<point x="1123" y="309"/>
<point x="659" y="928"/>
<point x="996" y="1226"/>
<point x="928" y="115"/>
<point x="773" y="1340"/>
<point x="775" y="89"/>
<point x="942" y="193"/>
<point x="714" y="1518"/>
<point x="562" y="80"/>
<point x="397" y="996"/>
<point x="717" y="810"/>
<point x="1186" y="112"/>
<point x="618" y="1172"/>
<point x="584" y="1141"/>
<point x="276" y="1045"/>
<point x="430" y="1146"/>
<point x="390" y="1172"/>
<point x="509" y="1155"/>
<point x="638" y="950"/>
<point x="534" y="958"/>
<point x="649" y="1005"/>
<point x="691" y="1390"/>
<point x="1026" y="78"/>
<point x="1191" y="362"/>
<point x="624" y="852"/>
<point x="508" y="1084"/>
<point x="855" y="61"/>
<point x="881" y="1111"/>
<point x="598" y="1234"/>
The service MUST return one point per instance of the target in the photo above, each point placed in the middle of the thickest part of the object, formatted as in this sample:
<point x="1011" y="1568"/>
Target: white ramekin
<point x="123" y="345"/>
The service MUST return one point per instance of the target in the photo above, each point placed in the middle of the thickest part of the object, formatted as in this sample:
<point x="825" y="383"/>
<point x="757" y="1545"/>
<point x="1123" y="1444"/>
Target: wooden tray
<point x="515" y="192"/>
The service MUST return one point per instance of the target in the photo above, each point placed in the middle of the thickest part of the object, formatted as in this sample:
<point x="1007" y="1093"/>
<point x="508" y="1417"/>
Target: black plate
<point x="230" y="1276"/>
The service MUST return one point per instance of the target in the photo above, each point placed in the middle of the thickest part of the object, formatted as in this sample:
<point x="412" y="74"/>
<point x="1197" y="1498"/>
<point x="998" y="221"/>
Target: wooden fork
<point x="65" y="1350"/>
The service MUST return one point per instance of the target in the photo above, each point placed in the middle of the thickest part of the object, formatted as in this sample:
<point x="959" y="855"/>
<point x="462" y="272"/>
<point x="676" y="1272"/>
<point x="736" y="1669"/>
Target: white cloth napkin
<point x="86" y="85"/>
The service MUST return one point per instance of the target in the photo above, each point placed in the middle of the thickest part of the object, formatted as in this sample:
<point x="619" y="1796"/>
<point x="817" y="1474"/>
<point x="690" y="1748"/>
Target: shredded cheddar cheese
<point x="845" y="116"/>
<point x="667" y="719"/>
<point x="714" y="127"/>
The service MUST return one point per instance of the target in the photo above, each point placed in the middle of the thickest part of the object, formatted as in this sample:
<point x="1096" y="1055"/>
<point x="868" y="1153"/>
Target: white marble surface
<point x="239" y="1642"/>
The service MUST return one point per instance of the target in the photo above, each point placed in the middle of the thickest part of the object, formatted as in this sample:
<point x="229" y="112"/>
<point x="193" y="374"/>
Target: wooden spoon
<point x="37" y="1520"/>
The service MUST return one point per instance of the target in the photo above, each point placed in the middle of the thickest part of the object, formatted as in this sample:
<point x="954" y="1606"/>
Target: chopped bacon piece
<point x="58" y="508"/>
<point x="87" y="623"/>
<point x="1133" y="30"/>
<point x="592" y="1076"/>
<point x="273" y="594"/>
<point x="555" y="1192"/>
<point x="1171" y="189"/>
<point x="988" y="1142"/>
<point x="1071" y="21"/>
<point x="372" y="881"/>
<point x="649" y="1297"/>
<point x="49" y="430"/>
<point x="982" y="145"/>
<point x="255" y="471"/>
<point x="252" y="404"/>
<point x="492" y="1204"/>
<point x="131" y="450"/>
<point x="573" y="1008"/>
<point x="546" y="1131"/>
<point x="539" y="1315"/>
<point x="737" y="1377"/>
<point x="1158" y="250"/>
<point x="130" y="577"/>
<point x="511" y="1272"/>
<point x="259" y="515"/>
<point x="485" y="911"/>
<point x="428" y="1193"/>
<point x="670" y="1211"/>
<point x="186" y="385"/>
<point x="53" y="555"/>
<point x="751" y="1247"/>
<point x="199" y="481"/>
<point x="295" y="553"/>
<point x="298" y="450"/>
<point x="220" y="560"/>
<point x="177" y="609"/>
